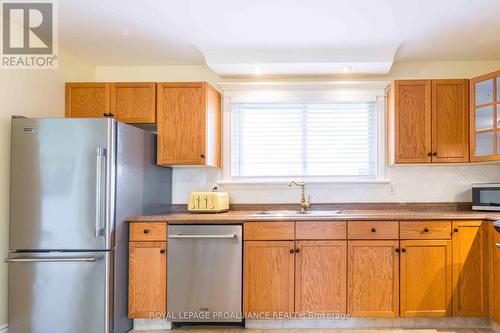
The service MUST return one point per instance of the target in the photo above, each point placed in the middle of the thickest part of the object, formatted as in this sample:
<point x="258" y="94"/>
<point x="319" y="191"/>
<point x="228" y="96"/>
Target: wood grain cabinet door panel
<point x="181" y="120"/>
<point x="450" y="120"/>
<point x="426" y="278"/>
<point x="321" y="277"/>
<point x="373" y="278"/>
<point x="134" y="102"/>
<point x="470" y="272"/>
<point x="495" y="278"/>
<point x="87" y="100"/>
<point x="268" y="277"/>
<point x="147" y="288"/>
<point x="412" y="121"/>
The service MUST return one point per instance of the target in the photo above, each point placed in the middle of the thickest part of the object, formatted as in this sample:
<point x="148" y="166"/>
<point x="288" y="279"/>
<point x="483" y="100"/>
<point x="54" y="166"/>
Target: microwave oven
<point x="486" y="196"/>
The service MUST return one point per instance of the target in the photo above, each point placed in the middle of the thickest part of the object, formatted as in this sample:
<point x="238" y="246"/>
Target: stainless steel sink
<point x="286" y="213"/>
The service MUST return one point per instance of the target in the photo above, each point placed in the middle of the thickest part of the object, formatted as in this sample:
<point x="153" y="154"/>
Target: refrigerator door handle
<point x="49" y="259"/>
<point x="99" y="206"/>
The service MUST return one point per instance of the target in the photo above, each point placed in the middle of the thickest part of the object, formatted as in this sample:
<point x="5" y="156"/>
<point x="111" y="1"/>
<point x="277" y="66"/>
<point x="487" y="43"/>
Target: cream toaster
<point x="208" y="202"/>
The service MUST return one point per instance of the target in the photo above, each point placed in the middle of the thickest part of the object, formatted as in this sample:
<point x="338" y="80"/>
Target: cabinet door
<point x="426" y="280"/>
<point x="87" y="100"/>
<point x="450" y="121"/>
<point x="470" y="273"/>
<point x="412" y="121"/>
<point x="134" y="102"/>
<point x="268" y="277"/>
<point x="321" y="277"/>
<point x="373" y="278"/>
<point x="181" y="118"/>
<point x="147" y="284"/>
<point x="495" y="247"/>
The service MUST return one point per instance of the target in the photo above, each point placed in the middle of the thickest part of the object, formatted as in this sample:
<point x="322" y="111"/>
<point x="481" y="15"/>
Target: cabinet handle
<point x="146" y="231"/>
<point x="429" y="154"/>
<point x="426" y="230"/>
<point x="403" y="250"/>
<point x="435" y="154"/>
<point x="397" y="250"/>
<point x="162" y="251"/>
<point x="374" y="230"/>
<point x="111" y="115"/>
<point x="292" y="250"/>
<point x="297" y="250"/>
<point x="202" y="155"/>
<point x="455" y="230"/>
<point x="105" y="114"/>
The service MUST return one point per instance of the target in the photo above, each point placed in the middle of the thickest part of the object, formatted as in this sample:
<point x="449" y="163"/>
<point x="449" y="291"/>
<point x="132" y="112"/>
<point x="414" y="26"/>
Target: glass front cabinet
<point x="485" y="117"/>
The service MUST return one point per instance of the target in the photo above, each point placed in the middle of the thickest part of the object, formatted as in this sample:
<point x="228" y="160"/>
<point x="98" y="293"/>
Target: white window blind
<point x="303" y="140"/>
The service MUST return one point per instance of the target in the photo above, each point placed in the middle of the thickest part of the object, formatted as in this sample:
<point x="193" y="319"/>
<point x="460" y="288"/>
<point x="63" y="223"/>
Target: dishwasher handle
<point x="202" y="236"/>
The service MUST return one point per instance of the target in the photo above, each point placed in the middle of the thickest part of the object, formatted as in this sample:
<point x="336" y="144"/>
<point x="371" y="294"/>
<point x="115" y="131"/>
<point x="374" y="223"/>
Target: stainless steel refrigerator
<point x="73" y="182"/>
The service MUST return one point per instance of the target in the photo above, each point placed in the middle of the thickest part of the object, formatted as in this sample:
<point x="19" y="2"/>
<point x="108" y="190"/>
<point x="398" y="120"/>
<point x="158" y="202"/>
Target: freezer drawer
<point x="59" y="292"/>
<point x="204" y="275"/>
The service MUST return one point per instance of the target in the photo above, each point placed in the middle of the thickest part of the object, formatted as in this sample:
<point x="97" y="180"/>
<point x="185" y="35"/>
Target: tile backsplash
<point x="406" y="183"/>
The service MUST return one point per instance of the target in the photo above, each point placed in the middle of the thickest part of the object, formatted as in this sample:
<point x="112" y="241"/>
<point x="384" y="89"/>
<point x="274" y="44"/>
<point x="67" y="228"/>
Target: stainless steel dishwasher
<point x="204" y="274"/>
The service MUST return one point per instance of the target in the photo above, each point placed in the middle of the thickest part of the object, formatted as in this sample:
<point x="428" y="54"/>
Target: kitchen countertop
<point x="239" y="216"/>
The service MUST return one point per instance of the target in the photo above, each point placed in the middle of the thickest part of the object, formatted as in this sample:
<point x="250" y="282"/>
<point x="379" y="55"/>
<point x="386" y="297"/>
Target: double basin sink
<point x="292" y="213"/>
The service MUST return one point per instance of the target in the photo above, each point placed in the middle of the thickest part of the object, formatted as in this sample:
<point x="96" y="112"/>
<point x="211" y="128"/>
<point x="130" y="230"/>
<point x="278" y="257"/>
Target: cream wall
<point x="405" y="183"/>
<point x="32" y="93"/>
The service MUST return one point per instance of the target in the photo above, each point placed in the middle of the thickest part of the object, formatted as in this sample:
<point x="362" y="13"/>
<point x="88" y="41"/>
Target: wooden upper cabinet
<point x="321" y="277"/>
<point x="147" y="287"/>
<point x="485" y="117"/>
<point x="373" y="278"/>
<point x="426" y="278"/>
<point x="450" y="120"/>
<point x="87" y="100"/>
<point x="412" y="121"/>
<point x="470" y="269"/>
<point x="134" y="102"/>
<point x="268" y="277"/>
<point x="428" y="121"/>
<point x="189" y="124"/>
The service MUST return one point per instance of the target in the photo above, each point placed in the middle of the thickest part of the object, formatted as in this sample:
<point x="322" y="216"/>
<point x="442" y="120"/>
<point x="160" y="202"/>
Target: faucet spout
<point x="304" y="204"/>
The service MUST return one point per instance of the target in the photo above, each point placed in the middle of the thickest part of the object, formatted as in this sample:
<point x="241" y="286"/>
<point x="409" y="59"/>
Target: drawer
<point x="425" y="229"/>
<point x="268" y="231"/>
<point x="321" y="230"/>
<point x="373" y="229"/>
<point x="148" y="231"/>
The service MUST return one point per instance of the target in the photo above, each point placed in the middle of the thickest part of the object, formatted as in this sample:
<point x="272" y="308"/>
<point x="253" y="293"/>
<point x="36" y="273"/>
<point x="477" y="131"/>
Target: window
<point x="321" y="140"/>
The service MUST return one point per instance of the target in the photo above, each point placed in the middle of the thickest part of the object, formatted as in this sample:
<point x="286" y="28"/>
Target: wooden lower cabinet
<point x="373" y="278"/>
<point x="470" y="269"/>
<point x="147" y="288"/>
<point x="321" y="277"/>
<point x="268" y="277"/>
<point x="495" y="278"/>
<point x="426" y="278"/>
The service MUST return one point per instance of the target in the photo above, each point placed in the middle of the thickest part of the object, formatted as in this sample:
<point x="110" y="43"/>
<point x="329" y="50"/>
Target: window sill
<point x="283" y="184"/>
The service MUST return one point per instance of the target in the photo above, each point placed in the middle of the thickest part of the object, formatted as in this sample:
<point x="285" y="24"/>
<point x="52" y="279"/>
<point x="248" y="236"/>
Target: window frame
<point x="309" y="92"/>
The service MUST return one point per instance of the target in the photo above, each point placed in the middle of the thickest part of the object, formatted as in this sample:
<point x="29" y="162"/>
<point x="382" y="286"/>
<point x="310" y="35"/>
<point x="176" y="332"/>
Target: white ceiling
<point x="280" y="36"/>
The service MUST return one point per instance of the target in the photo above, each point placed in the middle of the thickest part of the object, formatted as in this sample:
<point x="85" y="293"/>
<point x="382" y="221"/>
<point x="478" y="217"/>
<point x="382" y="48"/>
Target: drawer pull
<point x="403" y="250"/>
<point x="162" y="251"/>
<point x="374" y="230"/>
<point x="426" y="230"/>
<point x="455" y="230"/>
<point x="146" y="231"/>
<point x="292" y="250"/>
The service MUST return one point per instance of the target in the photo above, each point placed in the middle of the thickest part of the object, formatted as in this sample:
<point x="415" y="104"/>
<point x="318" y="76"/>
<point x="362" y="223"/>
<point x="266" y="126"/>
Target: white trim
<point x="366" y="91"/>
<point x="274" y="184"/>
<point x="4" y="328"/>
